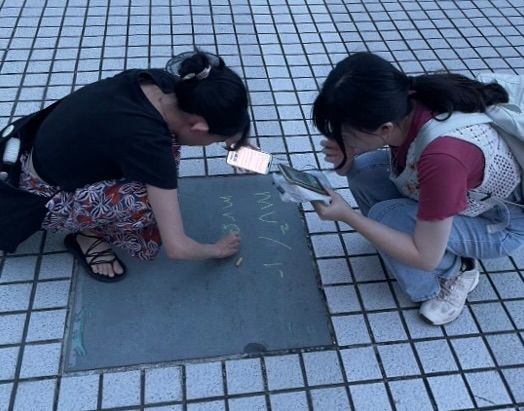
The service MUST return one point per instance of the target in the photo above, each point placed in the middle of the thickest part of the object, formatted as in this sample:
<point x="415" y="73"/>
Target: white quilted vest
<point x="502" y="173"/>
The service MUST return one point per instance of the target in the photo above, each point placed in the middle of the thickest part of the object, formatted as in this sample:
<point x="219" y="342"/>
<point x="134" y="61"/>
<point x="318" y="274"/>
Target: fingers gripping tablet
<point x="302" y="179"/>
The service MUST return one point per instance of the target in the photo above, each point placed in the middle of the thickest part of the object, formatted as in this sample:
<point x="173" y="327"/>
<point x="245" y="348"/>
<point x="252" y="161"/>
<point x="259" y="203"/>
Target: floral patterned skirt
<point x="117" y="211"/>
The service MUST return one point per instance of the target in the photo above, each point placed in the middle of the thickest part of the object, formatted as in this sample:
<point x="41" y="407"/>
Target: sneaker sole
<point x="428" y="321"/>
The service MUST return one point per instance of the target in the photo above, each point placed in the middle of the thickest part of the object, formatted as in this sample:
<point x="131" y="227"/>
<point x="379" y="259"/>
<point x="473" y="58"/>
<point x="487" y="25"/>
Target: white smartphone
<point x="250" y="159"/>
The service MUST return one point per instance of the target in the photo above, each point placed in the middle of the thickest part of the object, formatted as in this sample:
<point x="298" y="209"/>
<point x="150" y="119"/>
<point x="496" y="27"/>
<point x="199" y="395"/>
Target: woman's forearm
<point x="395" y="243"/>
<point x="189" y="249"/>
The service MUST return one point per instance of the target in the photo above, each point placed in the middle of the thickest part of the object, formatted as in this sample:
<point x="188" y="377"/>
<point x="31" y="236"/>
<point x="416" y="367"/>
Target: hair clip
<point x="200" y="76"/>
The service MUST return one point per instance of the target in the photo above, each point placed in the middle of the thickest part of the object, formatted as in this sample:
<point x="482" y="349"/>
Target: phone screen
<point x="250" y="159"/>
<point x="302" y="179"/>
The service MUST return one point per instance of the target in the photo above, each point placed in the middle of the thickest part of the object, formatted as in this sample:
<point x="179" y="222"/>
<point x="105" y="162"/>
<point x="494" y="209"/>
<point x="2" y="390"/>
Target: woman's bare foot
<point x="86" y="240"/>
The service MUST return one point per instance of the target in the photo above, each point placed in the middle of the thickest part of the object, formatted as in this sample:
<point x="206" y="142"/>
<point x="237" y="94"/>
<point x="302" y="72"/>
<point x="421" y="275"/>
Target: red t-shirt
<point x="447" y="169"/>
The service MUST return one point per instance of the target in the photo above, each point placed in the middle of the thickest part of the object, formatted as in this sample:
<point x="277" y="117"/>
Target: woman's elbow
<point x="173" y="254"/>
<point x="176" y="252"/>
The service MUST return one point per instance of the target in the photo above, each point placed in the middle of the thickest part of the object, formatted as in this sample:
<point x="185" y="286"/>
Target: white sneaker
<point x="449" y="303"/>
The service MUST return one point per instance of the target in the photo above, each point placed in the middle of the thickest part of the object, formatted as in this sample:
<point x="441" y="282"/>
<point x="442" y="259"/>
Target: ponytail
<point x="448" y="92"/>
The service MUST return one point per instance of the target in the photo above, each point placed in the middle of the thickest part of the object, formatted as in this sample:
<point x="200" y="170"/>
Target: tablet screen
<point x="302" y="178"/>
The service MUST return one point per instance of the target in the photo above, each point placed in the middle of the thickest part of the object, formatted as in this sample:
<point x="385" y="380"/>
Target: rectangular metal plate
<point x="167" y="310"/>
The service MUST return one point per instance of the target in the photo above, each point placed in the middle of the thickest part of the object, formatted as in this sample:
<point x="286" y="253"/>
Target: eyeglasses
<point x="174" y="64"/>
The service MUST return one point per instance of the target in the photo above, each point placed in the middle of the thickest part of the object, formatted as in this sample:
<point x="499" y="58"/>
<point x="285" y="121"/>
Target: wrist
<point x="348" y="215"/>
<point x="214" y="251"/>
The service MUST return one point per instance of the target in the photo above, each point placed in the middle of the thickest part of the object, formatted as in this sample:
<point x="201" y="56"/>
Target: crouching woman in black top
<point x="107" y="159"/>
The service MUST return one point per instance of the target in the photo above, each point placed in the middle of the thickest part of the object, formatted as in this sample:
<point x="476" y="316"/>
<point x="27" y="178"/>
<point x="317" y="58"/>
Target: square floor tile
<point x="284" y="372"/>
<point x="78" y="393"/>
<point x="14" y="297"/>
<point x="387" y="326"/>
<point x="330" y="399"/>
<point x="40" y="360"/>
<point x="207" y="406"/>
<point x="356" y="244"/>
<point x="376" y="296"/>
<point x="162" y="384"/>
<point x="450" y="392"/>
<point x="370" y="397"/>
<point x="360" y="364"/>
<point x="472" y="353"/>
<point x="410" y="395"/>
<point x="54" y="242"/>
<point x="322" y="368"/>
<point x="51" y="294"/>
<point x="507" y="349"/>
<point x="56" y="266"/>
<point x="334" y="271"/>
<point x="509" y="285"/>
<point x="488" y="388"/>
<point x="18" y="269"/>
<point x="5" y="396"/>
<point x="8" y="359"/>
<point x="121" y="389"/>
<point x="315" y="224"/>
<point x="12" y="326"/>
<point x="463" y="325"/>
<point x="35" y="395"/>
<point x="398" y="360"/>
<point x="257" y="403"/>
<point x="514" y="377"/>
<point x="435" y="356"/>
<point x="351" y="329"/>
<point x="367" y="268"/>
<point x="491" y="317"/>
<point x="497" y="264"/>
<point x="418" y="328"/>
<point x="516" y="312"/>
<point x="342" y="299"/>
<point x="327" y="245"/>
<point x="483" y="292"/>
<point x="204" y="380"/>
<point x="402" y="298"/>
<point x="293" y="401"/>
<point x="244" y="376"/>
<point x="46" y="325"/>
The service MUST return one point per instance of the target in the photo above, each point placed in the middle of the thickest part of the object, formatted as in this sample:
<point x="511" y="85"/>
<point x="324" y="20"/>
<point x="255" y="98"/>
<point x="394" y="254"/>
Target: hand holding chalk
<point x="227" y="245"/>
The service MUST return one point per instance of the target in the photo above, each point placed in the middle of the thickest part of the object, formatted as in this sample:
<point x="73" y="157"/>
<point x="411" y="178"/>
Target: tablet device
<point x="302" y="179"/>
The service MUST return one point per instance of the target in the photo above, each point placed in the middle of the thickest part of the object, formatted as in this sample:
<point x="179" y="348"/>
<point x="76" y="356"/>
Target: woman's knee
<point x="395" y="213"/>
<point x="367" y="169"/>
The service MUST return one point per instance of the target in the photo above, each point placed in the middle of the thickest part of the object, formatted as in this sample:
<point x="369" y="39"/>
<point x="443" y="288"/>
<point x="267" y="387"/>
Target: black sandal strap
<point x="93" y="257"/>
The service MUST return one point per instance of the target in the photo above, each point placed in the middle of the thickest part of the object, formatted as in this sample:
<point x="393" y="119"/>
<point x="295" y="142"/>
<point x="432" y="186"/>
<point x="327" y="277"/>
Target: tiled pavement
<point x="386" y="358"/>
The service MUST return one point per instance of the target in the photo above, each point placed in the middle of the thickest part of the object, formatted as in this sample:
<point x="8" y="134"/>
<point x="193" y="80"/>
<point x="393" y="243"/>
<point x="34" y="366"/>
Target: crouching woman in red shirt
<point x="432" y="203"/>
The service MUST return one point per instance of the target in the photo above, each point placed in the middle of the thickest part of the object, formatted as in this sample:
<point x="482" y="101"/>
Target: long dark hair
<point x="365" y="91"/>
<point x="219" y="95"/>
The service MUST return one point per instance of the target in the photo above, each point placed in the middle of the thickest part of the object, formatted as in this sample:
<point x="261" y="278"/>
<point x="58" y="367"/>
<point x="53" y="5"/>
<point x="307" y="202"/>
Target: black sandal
<point x="94" y="257"/>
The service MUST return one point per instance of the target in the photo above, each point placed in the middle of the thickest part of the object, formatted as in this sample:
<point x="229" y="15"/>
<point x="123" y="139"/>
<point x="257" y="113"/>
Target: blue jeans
<point x="379" y="199"/>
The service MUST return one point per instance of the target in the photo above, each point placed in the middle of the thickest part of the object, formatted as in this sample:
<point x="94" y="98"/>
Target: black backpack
<point x="21" y="212"/>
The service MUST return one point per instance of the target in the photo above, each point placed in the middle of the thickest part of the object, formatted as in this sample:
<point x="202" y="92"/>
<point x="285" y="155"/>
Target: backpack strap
<point x="25" y="127"/>
<point x="436" y="127"/>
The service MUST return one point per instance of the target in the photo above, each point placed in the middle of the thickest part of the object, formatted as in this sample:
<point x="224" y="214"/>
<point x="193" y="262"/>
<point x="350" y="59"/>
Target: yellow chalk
<point x="239" y="261"/>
